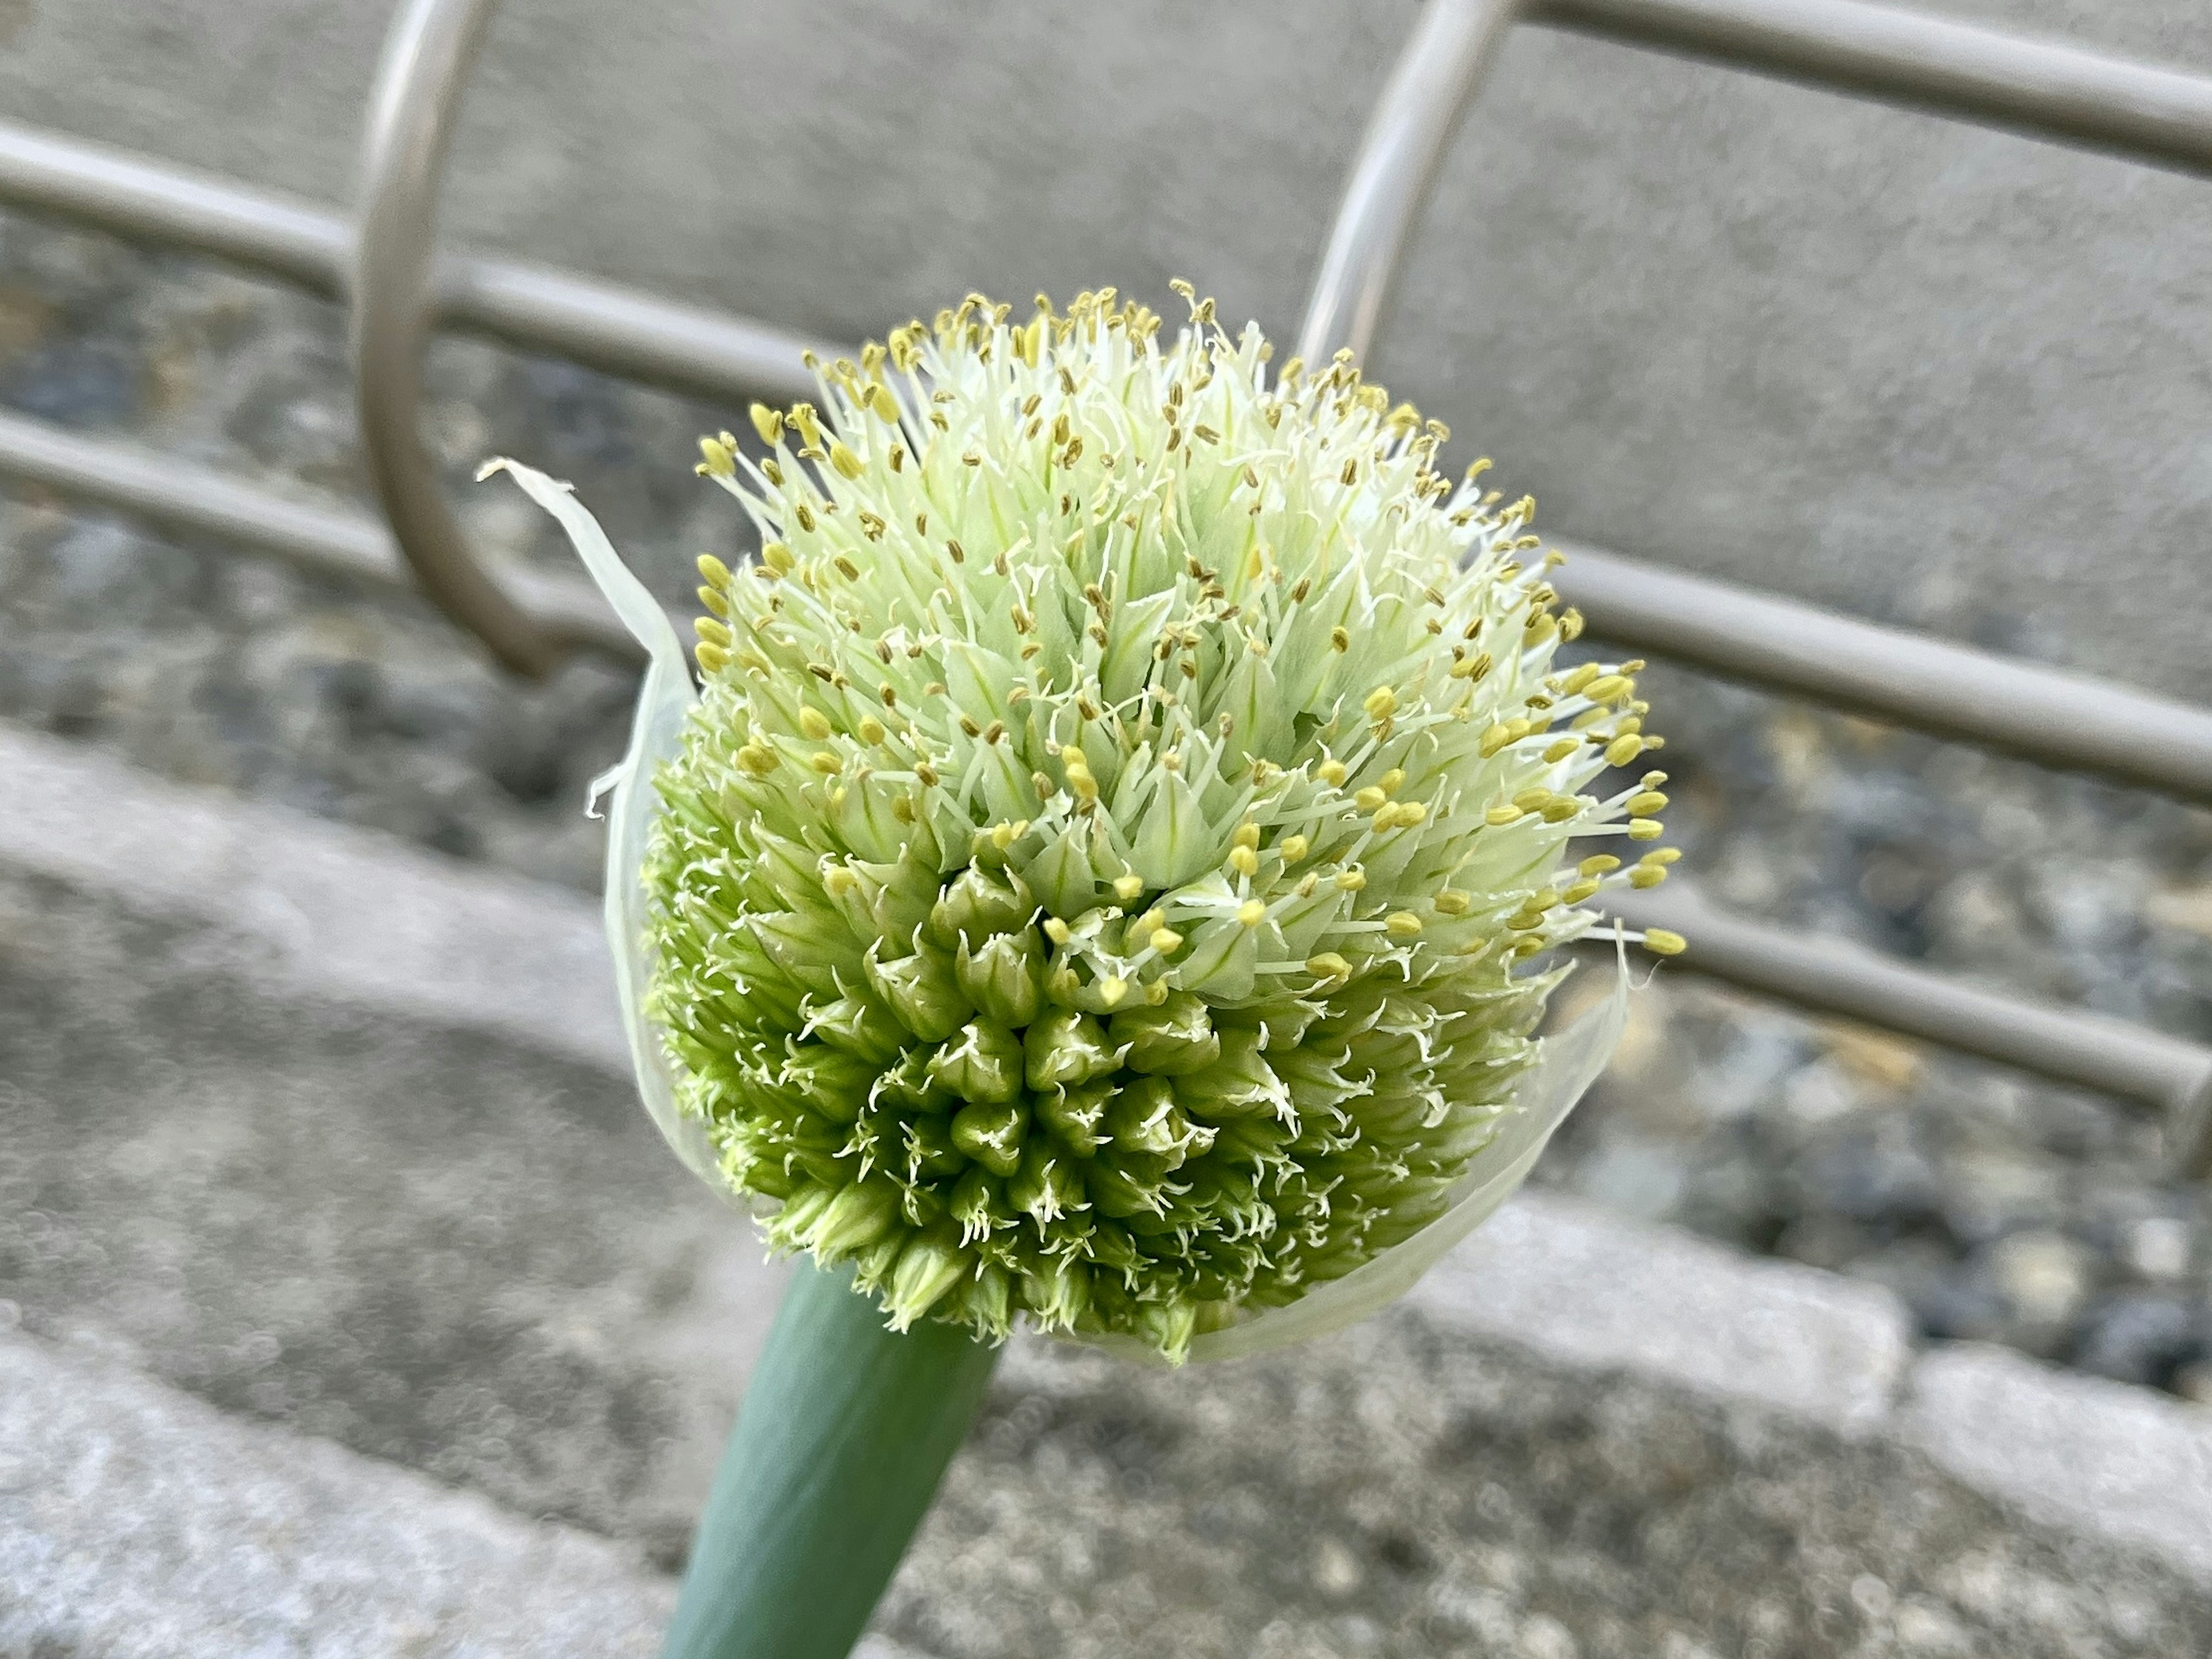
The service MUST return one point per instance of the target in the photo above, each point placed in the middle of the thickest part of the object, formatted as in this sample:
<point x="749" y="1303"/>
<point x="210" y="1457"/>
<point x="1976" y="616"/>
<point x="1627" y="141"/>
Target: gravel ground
<point x="1999" y="1208"/>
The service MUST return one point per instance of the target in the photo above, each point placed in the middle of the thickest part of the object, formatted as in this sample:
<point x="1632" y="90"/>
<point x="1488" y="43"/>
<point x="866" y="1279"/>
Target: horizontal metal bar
<point x="2045" y="89"/>
<point x="2060" y="720"/>
<point x="685" y="348"/>
<point x="2057" y="718"/>
<point x="2106" y="1054"/>
<point x="325" y="540"/>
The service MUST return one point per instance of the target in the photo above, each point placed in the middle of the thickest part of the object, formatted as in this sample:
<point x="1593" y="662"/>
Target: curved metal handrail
<point x="410" y="121"/>
<point x="1430" y="88"/>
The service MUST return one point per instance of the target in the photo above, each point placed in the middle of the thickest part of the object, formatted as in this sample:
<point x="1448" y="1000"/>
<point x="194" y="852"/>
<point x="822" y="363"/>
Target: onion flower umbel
<point x="1105" y="879"/>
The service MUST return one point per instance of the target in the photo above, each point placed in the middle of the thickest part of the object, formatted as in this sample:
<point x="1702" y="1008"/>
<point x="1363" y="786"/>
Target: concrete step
<point x="338" y="1138"/>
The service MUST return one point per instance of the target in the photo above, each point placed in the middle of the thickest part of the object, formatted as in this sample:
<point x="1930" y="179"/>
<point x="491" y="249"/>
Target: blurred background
<point x="1920" y="372"/>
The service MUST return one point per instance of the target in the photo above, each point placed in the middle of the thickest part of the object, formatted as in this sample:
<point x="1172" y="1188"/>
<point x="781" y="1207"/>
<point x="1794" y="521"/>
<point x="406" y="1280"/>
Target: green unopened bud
<point x="931" y="1264"/>
<point x="977" y="903"/>
<point x="857" y="1217"/>
<point x="1047" y="1185"/>
<point x="1145" y="1118"/>
<point x="1064" y="1046"/>
<point x="1077" y="1114"/>
<point x="986" y="1301"/>
<point x="979" y="1204"/>
<point x="1006" y="976"/>
<point x="982" y="1064"/>
<point x="1058" y="1294"/>
<point x="1123" y="1187"/>
<point x="923" y="990"/>
<point x="832" y="1081"/>
<point x="861" y="1026"/>
<point x="1174" y="1037"/>
<point x="1061" y="876"/>
<point x="928" y="1151"/>
<point x="991" y="1133"/>
<point x="1240" y="1083"/>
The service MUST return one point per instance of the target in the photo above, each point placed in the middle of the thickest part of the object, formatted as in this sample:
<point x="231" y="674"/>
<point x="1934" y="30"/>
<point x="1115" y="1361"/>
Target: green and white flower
<point x="1107" y="873"/>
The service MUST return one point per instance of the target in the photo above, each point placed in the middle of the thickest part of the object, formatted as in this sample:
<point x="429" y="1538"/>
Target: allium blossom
<point x="1106" y="873"/>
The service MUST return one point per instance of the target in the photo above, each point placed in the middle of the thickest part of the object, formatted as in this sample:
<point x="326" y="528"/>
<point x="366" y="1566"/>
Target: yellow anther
<point x="1340" y="638"/>
<point x="1450" y="902"/>
<point x="1662" y="855"/>
<point x="1351" y="881"/>
<point x="1112" y="989"/>
<point x="1127" y="887"/>
<point x="1664" y="942"/>
<point x="1653" y="780"/>
<point x="1599" y="865"/>
<point x="847" y="463"/>
<point x="1472" y="668"/>
<point x="1370" y="797"/>
<point x="718" y="462"/>
<point x="1559" y="751"/>
<point x="1388" y="782"/>
<point x="882" y="404"/>
<point x="1643" y="805"/>
<point x="1500" y="816"/>
<point x="824" y="763"/>
<point x="1523" y="922"/>
<point x="1084" y="787"/>
<point x="1608" y="688"/>
<point x="1381" y="703"/>
<point x="1580" y="678"/>
<point x="1246" y="836"/>
<point x="870" y="729"/>
<point x="1166" y="940"/>
<point x="1647" y="875"/>
<point x="1252" y="913"/>
<point x="1004" y="836"/>
<point x="1494" y="739"/>
<point x="776" y="557"/>
<point x="1292" y="848"/>
<point x="712" y="632"/>
<point x="1645" y="828"/>
<point x="814" y="724"/>
<point x="1330" y="772"/>
<point x="1578" y="892"/>
<point x="1560" y="808"/>
<point x="1328" y="965"/>
<point x="1622" y="750"/>
<point x="1058" y="931"/>
<point x="757" y="759"/>
<point x="839" y="881"/>
<point x="1402" y="924"/>
<point x="1529" y="801"/>
<point x="1244" y="860"/>
<point x="768" y="422"/>
<point x="1541" y="901"/>
<point x="716" y="572"/>
<point x="713" y="659"/>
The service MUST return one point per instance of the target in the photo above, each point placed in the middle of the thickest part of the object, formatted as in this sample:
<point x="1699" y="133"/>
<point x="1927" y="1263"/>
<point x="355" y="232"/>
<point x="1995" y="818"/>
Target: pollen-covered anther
<point x="1664" y="942"/>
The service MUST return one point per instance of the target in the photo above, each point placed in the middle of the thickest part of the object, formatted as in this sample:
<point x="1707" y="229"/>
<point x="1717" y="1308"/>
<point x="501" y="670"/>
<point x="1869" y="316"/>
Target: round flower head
<point x="1100" y="875"/>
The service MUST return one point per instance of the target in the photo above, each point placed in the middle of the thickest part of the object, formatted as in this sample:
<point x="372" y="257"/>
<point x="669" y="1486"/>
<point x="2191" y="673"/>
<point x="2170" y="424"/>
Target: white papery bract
<point x="1101" y="876"/>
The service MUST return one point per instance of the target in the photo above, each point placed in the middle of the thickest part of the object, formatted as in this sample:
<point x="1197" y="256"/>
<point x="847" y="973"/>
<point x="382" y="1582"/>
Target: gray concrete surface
<point x="239" y="1167"/>
<point x="138" y="1523"/>
<point x="1917" y="370"/>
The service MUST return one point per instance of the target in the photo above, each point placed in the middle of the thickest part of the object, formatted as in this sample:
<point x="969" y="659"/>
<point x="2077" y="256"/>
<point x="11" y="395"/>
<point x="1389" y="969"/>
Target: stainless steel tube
<point x="2060" y="720"/>
<point x="1429" y="89"/>
<point x="2096" y="1053"/>
<point x="2046" y="88"/>
<point x="411" y="119"/>
<point x="327" y="541"/>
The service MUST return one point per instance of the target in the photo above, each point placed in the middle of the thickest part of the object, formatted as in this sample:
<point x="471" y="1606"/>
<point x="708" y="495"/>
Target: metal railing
<point x="384" y="264"/>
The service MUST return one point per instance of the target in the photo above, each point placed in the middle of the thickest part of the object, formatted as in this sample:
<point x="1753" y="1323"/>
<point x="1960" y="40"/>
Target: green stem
<point x="843" y="1437"/>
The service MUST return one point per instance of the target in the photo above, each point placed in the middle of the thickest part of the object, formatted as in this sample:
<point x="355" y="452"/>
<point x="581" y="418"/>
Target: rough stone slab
<point x="136" y="1522"/>
<point x="1600" y="1294"/>
<point x="329" y="911"/>
<point x="2131" y="1465"/>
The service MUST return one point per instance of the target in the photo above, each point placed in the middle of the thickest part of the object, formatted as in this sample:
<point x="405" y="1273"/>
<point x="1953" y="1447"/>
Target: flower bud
<point x="1065" y="1045"/>
<point x="1077" y="1114"/>
<point x="979" y="903"/>
<point x="1176" y="1037"/>
<point x="923" y="990"/>
<point x="1005" y="977"/>
<point x="983" y="1063"/>
<point x="991" y="1133"/>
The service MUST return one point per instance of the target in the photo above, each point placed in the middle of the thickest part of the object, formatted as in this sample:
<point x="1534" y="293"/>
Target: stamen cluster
<point x="1102" y="873"/>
